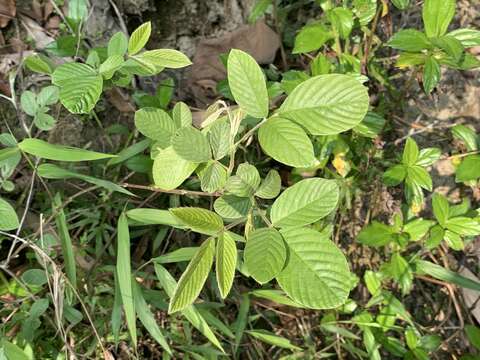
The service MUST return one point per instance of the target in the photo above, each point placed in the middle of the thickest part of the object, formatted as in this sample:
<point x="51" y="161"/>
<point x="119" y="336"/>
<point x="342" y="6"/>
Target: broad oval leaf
<point x="181" y="114"/>
<point x="118" y="44"/>
<point x="270" y="186"/>
<point x="8" y="216"/>
<point x="139" y="38"/>
<point x="232" y="207"/>
<point x="192" y="280"/>
<point x="80" y="86"/>
<point x="305" y="202"/>
<point x="225" y="263"/>
<point x="199" y="219"/>
<point x="327" y="104"/>
<point x="245" y="182"/>
<point x="145" y="216"/>
<point x="155" y="124"/>
<point x="316" y="274"/>
<point x="110" y="65"/>
<point x="190" y="144"/>
<point x="167" y="58"/>
<point x="286" y="142"/>
<point x="437" y="15"/>
<point x="43" y="149"/>
<point x="213" y="176"/>
<point x="219" y="138"/>
<point x="247" y="83"/>
<point x="265" y="254"/>
<point x="166" y="160"/>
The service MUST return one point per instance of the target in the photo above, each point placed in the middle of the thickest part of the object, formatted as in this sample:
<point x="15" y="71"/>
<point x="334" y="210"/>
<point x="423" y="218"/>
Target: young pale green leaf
<point x="154" y="217"/>
<point x="428" y="156"/>
<point x="437" y="15"/>
<point x="469" y="169"/>
<point x="190" y="144"/>
<point x="410" y="152"/>
<point x="9" y="153"/>
<point x="454" y="240"/>
<point x="181" y="114"/>
<point x="245" y="182"/>
<point x="166" y="160"/>
<point x="225" y="263"/>
<point x="39" y="64"/>
<point x="213" y="176"/>
<point x="365" y="10"/>
<point x="247" y="83"/>
<point x="463" y="226"/>
<point x="124" y="274"/>
<point x="155" y="124"/>
<point x="48" y="96"/>
<point x="410" y="40"/>
<point x="139" y="38"/>
<point x="199" y="219"/>
<point x="175" y="256"/>
<point x="419" y="176"/>
<point x="80" y="86"/>
<point x="376" y="234"/>
<point x="305" y="202"/>
<point x="219" y="139"/>
<point x="8" y="216"/>
<point x="28" y="101"/>
<point x="43" y="149"/>
<point x="286" y="142"/>
<point x="395" y="175"/>
<point x="272" y="339"/>
<point x="441" y="208"/>
<point x="311" y="38"/>
<point x="327" y="104"/>
<point x="51" y="171"/>
<point x="166" y="58"/>
<point x="440" y="273"/>
<point x="117" y="45"/>
<point x="316" y="274"/>
<point x="265" y="254"/>
<point x="467" y="135"/>
<point x="342" y="21"/>
<point x="232" y="207"/>
<point x="192" y="280"/>
<point x="148" y="319"/>
<point x="467" y="37"/>
<point x="44" y="121"/>
<point x="450" y="45"/>
<point x="270" y="186"/>
<point x="110" y="65"/>
<point x="418" y="228"/>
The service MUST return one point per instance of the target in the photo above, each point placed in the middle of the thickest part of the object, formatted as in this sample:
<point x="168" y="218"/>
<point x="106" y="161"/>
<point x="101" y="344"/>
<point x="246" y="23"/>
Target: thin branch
<point x="174" y="191"/>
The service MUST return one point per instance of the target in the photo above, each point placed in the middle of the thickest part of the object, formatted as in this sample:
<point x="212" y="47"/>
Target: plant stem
<point x="174" y="191"/>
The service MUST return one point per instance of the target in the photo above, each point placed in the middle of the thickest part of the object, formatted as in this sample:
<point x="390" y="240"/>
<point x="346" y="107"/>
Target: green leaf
<point x="469" y="169"/>
<point x="154" y="217"/>
<point x="48" y="151"/>
<point x="467" y="135"/>
<point x="275" y="296"/>
<point x="431" y="74"/>
<point x="418" y="228"/>
<point x="316" y="274"/>
<point x="191" y="145"/>
<point x="44" y="121"/>
<point x="213" y="176"/>
<point x="48" y="96"/>
<point x="376" y="234"/>
<point x="401" y="4"/>
<point x="341" y="20"/>
<point x="327" y="104"/>
<point x="450" y="45"/>
<point x="28" y="101"/>
<point x="110" y="65"/>
<point x="8" y="216"/>
<point x="463" y="226"/>
<point x="192" y="280"/>
<point x="473" y="334"/>
<point x="395" y="175"/>
<point x="440" y="273"/>
<point x="454" y="240"/>
<point x="198" y="219"/>
<point x="265" y="254"/>
<point x="166" y="160"/>
<point x="232" y="207"/>
<point x="130" y="152"/>
<point x="410" y="152"/>
<point x="247" y="83"/>
<point x="12" y="351"/>
<point x="245" y="182"/>
<point x="165" y="58"/>
<point x="305" y="202"/>
<point x="175" y="256"/>
<point x="155" y="124"/>
<point x="139" y="38"/>
<point x="270" y="186"/>
<point x="286" y="142"/>
<point x="409" y="40"/>
<point x="365" y="10"/>
<point x="39" y="64"/>
<point x="441" y="208"/>
<point x="437" y="15"/>
<point x="147" y="318"/>
<point x="467" y="37"/>
<point x="80" y="86"/>
<point x="182" y="116"/>
<point x="419" y="176"/>
<point x="258" y="10"/>
<point x="124" y="274"/>
<point x="272" y="339"/>
<point x="311" y="38"/>
<point x="225" y="263"/>
<point x="117" y="45"/>
<point x="371" y="125"/>
<point x="219" y="138"/>
<point x="428" y="156"/>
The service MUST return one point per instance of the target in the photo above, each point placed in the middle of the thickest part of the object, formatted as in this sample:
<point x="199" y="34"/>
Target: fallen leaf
<point x="471" y="297"/>
<point x="8" y="10"/>
<point x="120" y="100"/>
<point x="36" y="32"/>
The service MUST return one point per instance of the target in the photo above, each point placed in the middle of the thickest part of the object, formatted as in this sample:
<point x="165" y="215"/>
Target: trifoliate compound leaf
<point x="327" y="104"/>
<point x="199" y="219"/>
<point x="316" y="274"/>
<point x="225" y="263"/>
<point x="232" y="207"/>
<point x="170" y="170"/>
<point x="265" y="254"/>
<point x="190" y="144"/>
<point x="247" y="83"/>
<point x="192" y="280"/>
<point x="305" y="202"/>
<point x="286" y="142"/>
<point x="155" y="124"/>
<point x="80" y="86"/>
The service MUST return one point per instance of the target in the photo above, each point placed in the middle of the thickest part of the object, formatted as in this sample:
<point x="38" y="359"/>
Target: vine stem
<point x="174" y="191"/>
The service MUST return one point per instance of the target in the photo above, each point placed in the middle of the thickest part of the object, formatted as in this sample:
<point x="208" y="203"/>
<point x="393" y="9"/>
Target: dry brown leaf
<point x="120" y="100"/>
<point x="258" y="40"/>
<point x="36" y="32"/>
<point x="471" y="297"/>
<point x="8" y="10"/>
